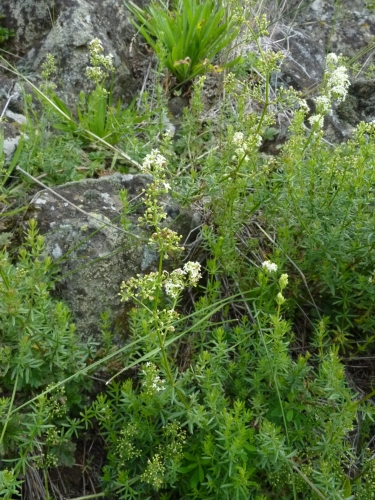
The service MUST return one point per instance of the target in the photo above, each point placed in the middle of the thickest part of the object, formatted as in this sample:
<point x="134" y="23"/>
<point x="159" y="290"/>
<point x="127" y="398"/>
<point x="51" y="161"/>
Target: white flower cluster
<point x="152" y="382"/>
<point x="140" y="287"/>
<point x="173" y="287"/>
<point x="154" y="472"/>
<point x="193" y="270"/>
<point x="303" y="104"/>
<point x="181" y="278"/>
<point x="154" y="162"/>
<point x="332" y="59"/>
<point x="158" y="384"/>
<point x="243" y="145"/>
<point x="338" y="83"/>
<point x="317" y="119"/>
<point x="336" y="88"/>
<point x="125" y="447"/>
<point x="101" y="65"/>
<point x="95" y="74"/>
<point x="238" y="138"/>
<point x="270" y="267"/>
<point x="323" y="104"/>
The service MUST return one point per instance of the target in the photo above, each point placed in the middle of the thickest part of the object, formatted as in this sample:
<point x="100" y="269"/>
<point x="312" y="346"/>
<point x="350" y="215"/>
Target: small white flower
<point x="173" y="289"/>
<point x="271" y="267"/>
<point x="323" y="103"/>
<point x="238" y="138"/>
<point x="170" y="131"/>
<point x="96" y="44"/>
<point x="154" y="162"/>
<point x="338" y="83"/>
<point x="319" y="119"/>
<point x="303" y="104"/>
<point x="167" y="186"/>
<point x="193" y="269"/>
<point x="332" y="59"/>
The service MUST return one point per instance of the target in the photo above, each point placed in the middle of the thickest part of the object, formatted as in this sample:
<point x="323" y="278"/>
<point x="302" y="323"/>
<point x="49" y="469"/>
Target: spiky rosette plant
<point x="188" y="37"/>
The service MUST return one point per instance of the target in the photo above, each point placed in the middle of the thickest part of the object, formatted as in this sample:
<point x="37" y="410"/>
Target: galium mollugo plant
<point x="321" y="197"/>
<point x="235" y="415"/>
<point x="38" y="347"/>
<point x="96" y="115"/>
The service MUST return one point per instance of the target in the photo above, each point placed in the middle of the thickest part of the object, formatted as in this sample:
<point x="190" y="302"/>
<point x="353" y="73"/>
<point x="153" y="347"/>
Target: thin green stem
<point x="89" y="497"/>
<point x="266" y="104"/>
<point x="9" y="410"/>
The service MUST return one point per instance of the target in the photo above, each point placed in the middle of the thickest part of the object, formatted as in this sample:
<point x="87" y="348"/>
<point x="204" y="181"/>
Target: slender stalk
<point x="9" y="410"/>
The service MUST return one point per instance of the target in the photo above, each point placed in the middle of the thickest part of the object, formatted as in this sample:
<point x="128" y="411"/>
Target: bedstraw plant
<point x="243" y="419"/>
<point x="38" y="348"/>
<point x="231" y="384"/>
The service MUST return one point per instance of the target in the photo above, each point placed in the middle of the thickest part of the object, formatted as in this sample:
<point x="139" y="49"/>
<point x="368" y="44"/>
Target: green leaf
<point x="347" y="488"/>
<point x="250" y="447"/>
<point x="188" y="468"/>
<point x="190" y="457"/>
<point x="65" y="453"/>
<point x="194" y="480"/>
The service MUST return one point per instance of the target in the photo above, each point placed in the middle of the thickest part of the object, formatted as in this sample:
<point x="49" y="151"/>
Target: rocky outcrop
<point x="94" y="252"/>
<point x="64" y="28"/>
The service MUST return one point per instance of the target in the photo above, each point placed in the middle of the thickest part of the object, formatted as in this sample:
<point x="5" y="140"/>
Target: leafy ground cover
<point x="232" y="382"/>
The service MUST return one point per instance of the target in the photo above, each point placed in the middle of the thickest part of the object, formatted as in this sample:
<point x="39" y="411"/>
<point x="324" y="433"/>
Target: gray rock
<point x="360" y="103"/>
<point x="10" y="146"/>
<point x="93" y="252"/>
<point x="323" y="26"/>
<point x="16" y="117"/>
<point x="64" y="28"/>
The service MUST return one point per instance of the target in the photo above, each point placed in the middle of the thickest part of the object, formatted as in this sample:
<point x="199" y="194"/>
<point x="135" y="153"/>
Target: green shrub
<point x="321" y="201"/>
<point x="38" y="347"/>
<point x="97" y="136"/>
<point x="225" y="392"/>
<point x="97" y="118"/>
<point x="243" y="418"/>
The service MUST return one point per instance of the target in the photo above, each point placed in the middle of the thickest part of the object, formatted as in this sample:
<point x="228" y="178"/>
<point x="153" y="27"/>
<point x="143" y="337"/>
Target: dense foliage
<point x="231" y="383"/>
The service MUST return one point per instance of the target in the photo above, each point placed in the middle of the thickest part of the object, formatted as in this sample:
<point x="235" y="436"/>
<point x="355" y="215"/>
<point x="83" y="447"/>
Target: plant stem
<point x="9" y="410"/>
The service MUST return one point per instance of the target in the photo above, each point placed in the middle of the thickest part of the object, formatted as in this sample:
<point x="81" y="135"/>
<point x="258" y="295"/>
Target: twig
<point x="95" y="495"/>
<point x="143" y="86"/>
<point x="190" y="232"/>
<point x="10" y="97"/>
<point x="305" y="478"/>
